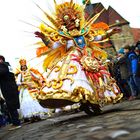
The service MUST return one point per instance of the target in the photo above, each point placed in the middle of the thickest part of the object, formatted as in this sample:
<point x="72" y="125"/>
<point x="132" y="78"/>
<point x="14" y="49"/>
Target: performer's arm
<point x="109" y="33"/>
<point x="44" y="38"/>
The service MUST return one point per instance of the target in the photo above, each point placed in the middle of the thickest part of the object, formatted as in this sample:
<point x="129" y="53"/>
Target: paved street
<point x="117" y="122"/>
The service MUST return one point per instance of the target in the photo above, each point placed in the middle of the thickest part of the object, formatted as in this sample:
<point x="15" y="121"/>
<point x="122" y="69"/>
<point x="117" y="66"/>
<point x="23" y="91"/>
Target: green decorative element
<point x="82" y="31"/>
<point x="85" y="2"/>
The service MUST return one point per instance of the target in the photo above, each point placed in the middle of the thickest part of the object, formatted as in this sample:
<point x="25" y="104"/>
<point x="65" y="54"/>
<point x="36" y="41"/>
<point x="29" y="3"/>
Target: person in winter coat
<point x="132" y="65"/>
<point x="121" y="73"/>
<point x="9" y="91"/>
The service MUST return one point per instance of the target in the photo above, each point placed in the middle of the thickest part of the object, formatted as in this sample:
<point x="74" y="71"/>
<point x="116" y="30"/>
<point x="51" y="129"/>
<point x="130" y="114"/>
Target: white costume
<point x="29" y="106"/>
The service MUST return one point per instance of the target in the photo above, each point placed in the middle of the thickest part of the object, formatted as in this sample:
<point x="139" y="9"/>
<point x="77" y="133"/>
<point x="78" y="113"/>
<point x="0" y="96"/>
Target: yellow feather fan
<point x="53" y="57"/>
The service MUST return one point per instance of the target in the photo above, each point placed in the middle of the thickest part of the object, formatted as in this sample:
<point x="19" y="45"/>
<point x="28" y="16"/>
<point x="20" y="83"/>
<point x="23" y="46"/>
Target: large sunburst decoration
<point x="67" y="16"/>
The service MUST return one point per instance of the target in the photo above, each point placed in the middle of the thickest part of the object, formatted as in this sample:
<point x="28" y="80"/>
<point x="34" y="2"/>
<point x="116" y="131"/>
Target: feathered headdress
<point x="66" y="16"/>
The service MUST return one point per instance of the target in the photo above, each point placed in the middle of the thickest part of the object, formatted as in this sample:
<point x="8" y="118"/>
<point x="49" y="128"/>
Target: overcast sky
<point x="17" y="37"/>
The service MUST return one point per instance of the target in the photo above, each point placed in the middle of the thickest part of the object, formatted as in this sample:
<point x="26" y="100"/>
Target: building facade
<point x="112" y="18"/>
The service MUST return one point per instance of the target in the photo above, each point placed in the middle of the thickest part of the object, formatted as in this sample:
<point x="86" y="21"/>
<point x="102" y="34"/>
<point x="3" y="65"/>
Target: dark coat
<point x="8" y="86"/>
<point x="124" y="73"/>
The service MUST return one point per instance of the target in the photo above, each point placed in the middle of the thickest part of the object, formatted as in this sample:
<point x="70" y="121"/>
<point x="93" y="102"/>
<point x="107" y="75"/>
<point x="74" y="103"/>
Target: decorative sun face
<point x="69" y="16"/>
<point x="90" y="63"/>
<point x="71" y="22"/>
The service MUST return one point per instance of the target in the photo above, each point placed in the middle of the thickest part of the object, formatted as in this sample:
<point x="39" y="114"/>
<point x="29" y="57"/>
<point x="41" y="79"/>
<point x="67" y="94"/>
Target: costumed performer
<point x="29" y="80"/>
<point x="74" y="60"/>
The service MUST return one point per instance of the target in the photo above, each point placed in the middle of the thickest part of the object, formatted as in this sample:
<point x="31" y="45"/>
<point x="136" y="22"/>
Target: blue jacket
<point x="132" y="62"/>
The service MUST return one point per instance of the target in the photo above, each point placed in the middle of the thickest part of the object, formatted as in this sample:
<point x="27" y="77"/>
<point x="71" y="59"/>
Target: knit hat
<point x="121" y="51"/>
